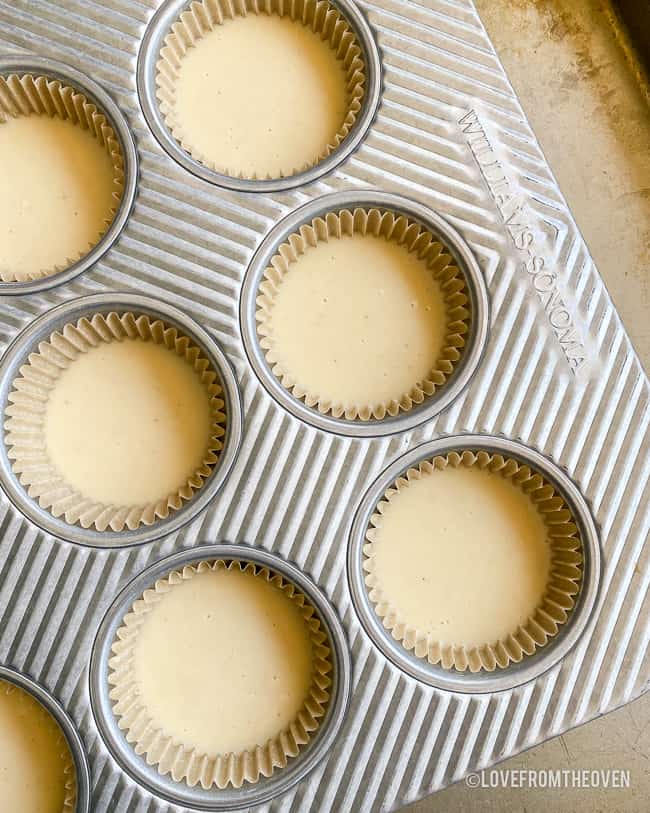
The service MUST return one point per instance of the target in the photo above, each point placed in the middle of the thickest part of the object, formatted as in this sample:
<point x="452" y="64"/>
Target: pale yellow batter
<point x="57" y="185"/>
<point x="224" y="662"/>
<point x="358" y="320"/>
<point x="127" y="422"/>
<point x="463" y="555"/>
<point x="33" y="755"/>
<point x="260" y="95"/>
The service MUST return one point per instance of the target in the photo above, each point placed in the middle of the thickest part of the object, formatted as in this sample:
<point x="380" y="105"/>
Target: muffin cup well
<point x="79" y="791"/>
<point x="414" y="238"/>
<point x="27" y="402"/>
<point x="181" y="760"/>
<point x="559" y="597"/>
<point x="201" y="17"/>
<point x="28" y="95"/>
<point x="22" y="696"/>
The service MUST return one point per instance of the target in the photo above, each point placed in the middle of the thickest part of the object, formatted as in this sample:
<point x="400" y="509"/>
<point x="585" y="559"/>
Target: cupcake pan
<point x="453" y="245"/>
<point x="531" y="666"/>
<point x="154" y="40"/>
<point x="96" y="95"/>
<point x="79" y="758"/>
<point x="181" y="759"/>
<point x="326" y="24"/>
<point x="40" y="331"/>
<point x="250" y="793"/>
<point x="557" y="374"/>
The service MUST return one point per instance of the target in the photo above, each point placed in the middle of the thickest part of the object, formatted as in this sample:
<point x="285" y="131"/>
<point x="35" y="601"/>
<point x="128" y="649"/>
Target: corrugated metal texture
<point x="293" y="489"/>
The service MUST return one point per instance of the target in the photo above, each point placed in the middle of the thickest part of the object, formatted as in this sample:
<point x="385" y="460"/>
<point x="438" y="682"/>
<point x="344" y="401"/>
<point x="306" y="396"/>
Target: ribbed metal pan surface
<point x="558" y="374"/>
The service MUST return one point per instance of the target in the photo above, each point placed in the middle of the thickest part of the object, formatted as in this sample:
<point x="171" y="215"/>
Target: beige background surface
<point x="568" y="60"/>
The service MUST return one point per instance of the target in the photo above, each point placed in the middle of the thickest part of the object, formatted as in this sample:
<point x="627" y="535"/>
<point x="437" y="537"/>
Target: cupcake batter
<point x="57" y="185"/>
<point x="463" y="555"/>
<point x="358" y="320"/>
<point x="33" y="755"/>
<point x="260" y="95"/>
<point x="128" y="422"/>
<point x="223" y="662"/>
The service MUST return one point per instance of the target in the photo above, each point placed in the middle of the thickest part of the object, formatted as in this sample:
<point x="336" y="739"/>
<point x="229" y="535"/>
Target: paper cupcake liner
<point x="415" y="238"/>
<point x="28" y="95"/>
<point x="202" y="17"/>
<point x="67" y="760"/>
<point x="180" y="760"/>
<point x="559" y="597"/>
<point x="24" y="428"/>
